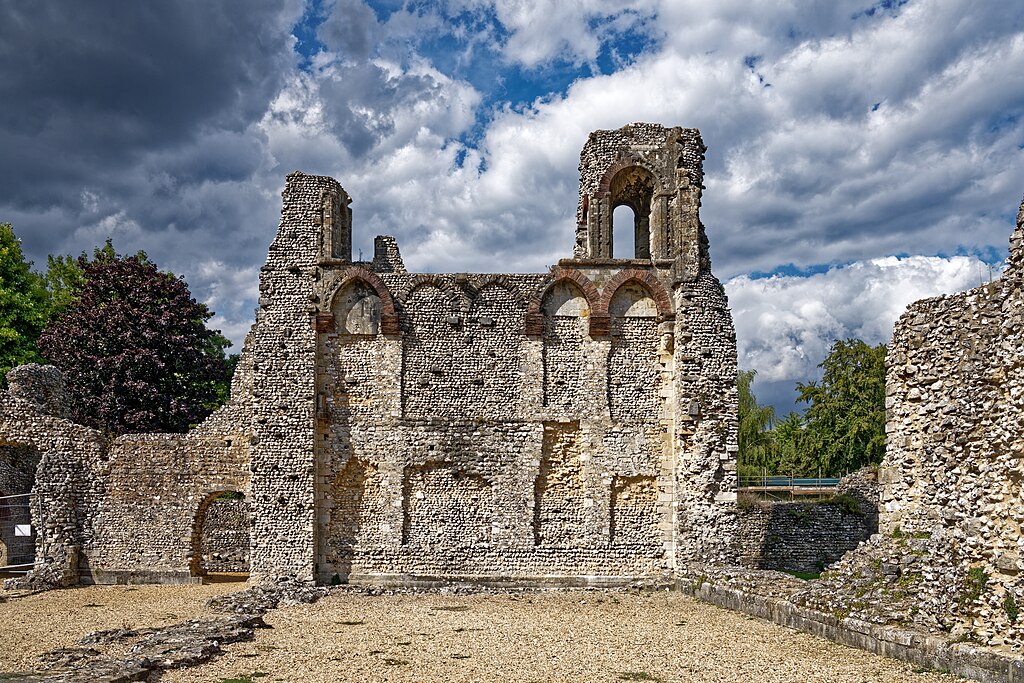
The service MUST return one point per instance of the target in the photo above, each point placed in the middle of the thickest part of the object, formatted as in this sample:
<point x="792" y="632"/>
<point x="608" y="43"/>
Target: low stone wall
<point x="808" y="536"/>
<point x="771" y="597"/>
<point x="800" y="537"/>
<point x="225" y="542"/>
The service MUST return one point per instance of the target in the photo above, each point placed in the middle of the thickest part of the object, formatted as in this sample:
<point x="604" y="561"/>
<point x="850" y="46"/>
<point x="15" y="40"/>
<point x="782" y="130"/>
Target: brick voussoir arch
<point x="388" y="314"/>
<point x="533" y="325"/>
<point x="649" y="282"/>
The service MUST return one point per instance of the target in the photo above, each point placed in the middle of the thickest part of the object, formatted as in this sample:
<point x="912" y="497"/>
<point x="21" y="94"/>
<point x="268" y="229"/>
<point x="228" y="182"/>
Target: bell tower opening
<point x="631" y="191"/>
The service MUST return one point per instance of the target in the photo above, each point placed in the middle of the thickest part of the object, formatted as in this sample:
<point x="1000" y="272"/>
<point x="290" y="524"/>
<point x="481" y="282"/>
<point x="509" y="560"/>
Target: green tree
<point x="845" y="420"/>
<point x="23" y="304"/>
<point x="757" y="452"/>
<point x="134" y="348"/>
<point x="794" y="457"/>
<point x="63" y="282"/>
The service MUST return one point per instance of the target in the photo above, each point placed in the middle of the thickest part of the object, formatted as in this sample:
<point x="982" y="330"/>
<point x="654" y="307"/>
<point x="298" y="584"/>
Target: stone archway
<point x="220" y="536"/>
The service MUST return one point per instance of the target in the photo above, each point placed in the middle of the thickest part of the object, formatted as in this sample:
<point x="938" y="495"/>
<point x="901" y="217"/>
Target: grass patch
<point x="975" y="584"/>
<point x="246" y="678"/>
<point x="451" y="608"/>
<point x="1010" y="607"/>
<point x="806" y="576"/>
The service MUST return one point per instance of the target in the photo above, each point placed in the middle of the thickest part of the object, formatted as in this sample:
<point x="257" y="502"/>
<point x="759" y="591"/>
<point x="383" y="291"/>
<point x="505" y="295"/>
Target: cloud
<point x="838" y="132"/>
<point x="785" y="325"/>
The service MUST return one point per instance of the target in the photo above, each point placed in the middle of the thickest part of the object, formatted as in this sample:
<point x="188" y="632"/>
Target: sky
<point x="861" y="155"/>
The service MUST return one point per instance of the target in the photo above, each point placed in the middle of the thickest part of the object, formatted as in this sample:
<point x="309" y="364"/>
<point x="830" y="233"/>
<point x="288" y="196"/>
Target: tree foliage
<point x="842" y="430"/>
<point x="757" y="451"/>
<point x="133" y="345"/>
<point x="845" y="421"/>
<point x="23" y="304"/>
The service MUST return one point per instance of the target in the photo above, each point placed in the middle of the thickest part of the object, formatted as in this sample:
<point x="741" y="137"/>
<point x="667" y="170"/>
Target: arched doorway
<point x="220" y="538"/>
<point x="18" y="463"/>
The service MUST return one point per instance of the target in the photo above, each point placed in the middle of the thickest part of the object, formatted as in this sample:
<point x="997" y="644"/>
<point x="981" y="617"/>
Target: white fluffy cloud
<point x="840" y="132"/>
<point x="785" y="325"/>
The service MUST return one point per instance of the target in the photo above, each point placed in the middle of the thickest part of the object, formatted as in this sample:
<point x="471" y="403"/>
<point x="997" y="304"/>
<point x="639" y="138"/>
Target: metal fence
<point x="782" y="482"/>
<point x="17" y="535"/>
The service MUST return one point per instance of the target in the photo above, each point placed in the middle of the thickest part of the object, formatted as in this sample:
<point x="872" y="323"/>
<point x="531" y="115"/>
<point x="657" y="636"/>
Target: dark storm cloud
<point x="96" y="86"/>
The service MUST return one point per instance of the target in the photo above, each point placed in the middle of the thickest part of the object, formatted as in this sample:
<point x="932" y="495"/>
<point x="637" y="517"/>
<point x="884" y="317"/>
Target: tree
<point x="791" y="448"/>
<point x="23" y="304"/>
<point x="757" y="453"/>
<point x="845" y="421"/>
<point x="134" y="347"/>
<point x="63" y="280"/>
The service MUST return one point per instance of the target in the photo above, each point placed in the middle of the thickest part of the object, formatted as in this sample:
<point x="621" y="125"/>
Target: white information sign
<point x="22" y="529"/>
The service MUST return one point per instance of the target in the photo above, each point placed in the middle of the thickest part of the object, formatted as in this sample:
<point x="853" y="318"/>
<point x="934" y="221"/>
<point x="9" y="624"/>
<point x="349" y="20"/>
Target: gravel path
<point x="33" y="624"/>
<point x="524" y="637"/>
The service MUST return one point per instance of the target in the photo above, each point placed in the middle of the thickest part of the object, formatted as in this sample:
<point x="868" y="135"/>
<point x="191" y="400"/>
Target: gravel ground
<point x="33" y="624"/>
<point x="542" y="636"/>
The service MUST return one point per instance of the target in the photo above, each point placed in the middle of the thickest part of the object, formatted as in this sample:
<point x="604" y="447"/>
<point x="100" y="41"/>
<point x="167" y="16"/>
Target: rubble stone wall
<point x="224" y="546"/>
<point x="578" y="424"/>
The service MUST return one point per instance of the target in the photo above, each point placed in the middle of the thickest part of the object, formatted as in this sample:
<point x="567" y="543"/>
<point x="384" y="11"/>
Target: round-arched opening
<point x="220" y="538"/>
<point x="623" y="239"/>
<point x="631" y="192"/>
<point x="357" y="309"/>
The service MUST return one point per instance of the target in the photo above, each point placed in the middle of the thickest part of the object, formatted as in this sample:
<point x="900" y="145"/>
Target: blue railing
<point x="781" y="482"/>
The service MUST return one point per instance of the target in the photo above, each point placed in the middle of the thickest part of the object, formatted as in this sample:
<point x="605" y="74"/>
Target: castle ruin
<point x="574" y="426"/>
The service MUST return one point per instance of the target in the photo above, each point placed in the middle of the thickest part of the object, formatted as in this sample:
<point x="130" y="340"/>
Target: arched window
<point x="357" y="309"/>
<point x="623" y="239"/>
<point x="631" y="187"/>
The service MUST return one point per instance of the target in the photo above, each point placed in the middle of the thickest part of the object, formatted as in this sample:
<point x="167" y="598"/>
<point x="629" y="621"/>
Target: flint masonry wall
<point x="808" y="536"/>
<point x="577" y="425"/>
<point x="499" y="426"/>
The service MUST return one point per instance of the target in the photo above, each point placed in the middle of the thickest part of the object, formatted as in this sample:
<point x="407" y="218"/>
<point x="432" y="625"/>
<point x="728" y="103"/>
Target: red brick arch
<point x="533" y="325"/>
<point x="388" y="315"/>
<point x="644" y="278"/>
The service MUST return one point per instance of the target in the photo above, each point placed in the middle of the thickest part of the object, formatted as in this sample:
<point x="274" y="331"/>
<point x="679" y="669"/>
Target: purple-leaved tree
<point x="134" y="348"/>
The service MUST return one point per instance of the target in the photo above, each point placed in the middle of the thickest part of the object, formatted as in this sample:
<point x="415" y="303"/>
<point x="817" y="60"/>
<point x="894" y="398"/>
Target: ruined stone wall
<point x="224" y="545"/>
<point x="465" y="444"/>
<point x="577" y="424"/>
<point x="69" y="474"/>
<point x="950" y="551"/>
<point x="158" y="488"/>
<point x="799" y="537"/>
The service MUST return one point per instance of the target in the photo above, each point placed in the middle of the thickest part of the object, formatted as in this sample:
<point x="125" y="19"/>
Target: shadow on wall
<point x="807" y="536"/>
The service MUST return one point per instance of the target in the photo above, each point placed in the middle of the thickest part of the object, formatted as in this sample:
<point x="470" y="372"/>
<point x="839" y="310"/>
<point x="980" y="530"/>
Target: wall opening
<point x="18" y="463"/>
<point x="220" y="538"/>
<point x="632" y="188"/>
<point x="623" y="232"/>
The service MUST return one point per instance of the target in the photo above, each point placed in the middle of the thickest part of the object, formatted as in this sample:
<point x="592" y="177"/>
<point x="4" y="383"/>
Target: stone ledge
<point x="920" y="649"/>
<point x="489" y="581"/>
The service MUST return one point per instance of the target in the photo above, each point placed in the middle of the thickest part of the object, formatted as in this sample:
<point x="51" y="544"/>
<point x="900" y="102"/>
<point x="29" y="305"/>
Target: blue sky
<point x="861" y="155"/>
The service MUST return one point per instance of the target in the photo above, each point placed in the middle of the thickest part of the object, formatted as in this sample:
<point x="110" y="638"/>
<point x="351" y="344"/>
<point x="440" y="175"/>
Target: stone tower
<point x="657" y="172"/>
